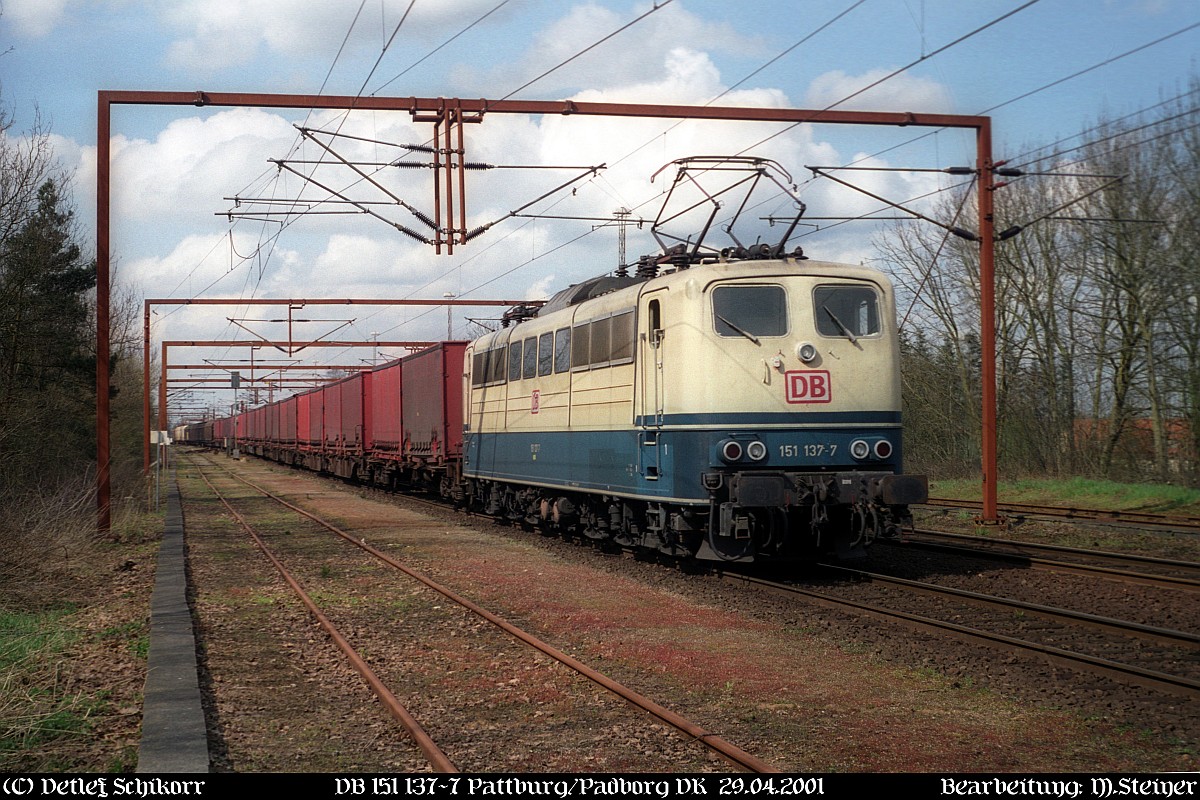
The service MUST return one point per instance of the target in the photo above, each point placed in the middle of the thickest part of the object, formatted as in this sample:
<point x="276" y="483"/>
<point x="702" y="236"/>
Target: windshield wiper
<point x="745" y="333"/>
<point x="841" y="325"/>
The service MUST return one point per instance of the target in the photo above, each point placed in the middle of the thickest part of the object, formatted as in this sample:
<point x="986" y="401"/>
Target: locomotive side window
<point x="600" y="354"/>
<point x="846" y="311"/>
<point x="496" y="365"/>
<point x="622" y="338"/>
<point x="602" y="342"/>
<point x="529" y="368"/>
<point x="580" y="346"/>
<point x="478" y="368"/>
<point x="545" y="353"/>
<point x="750" y="311"/>
<point x="514" y="361"/>
<point x="562" y="350"/>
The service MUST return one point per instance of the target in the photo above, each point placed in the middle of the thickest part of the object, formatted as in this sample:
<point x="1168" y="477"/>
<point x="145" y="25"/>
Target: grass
<point x="65" y="593"/>
<point x="136" y="633"/>
<point x="34" y="708"/>
<point x="1080" y="492"/>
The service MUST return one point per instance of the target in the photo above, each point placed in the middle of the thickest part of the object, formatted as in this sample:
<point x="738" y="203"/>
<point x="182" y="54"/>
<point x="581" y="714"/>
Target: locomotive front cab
<point x="782" y="378"/>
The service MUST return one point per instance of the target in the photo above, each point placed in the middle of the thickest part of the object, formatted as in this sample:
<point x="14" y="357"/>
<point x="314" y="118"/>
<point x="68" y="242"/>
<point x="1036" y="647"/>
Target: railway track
<point x="1138" y="518"/>
<point x="1115" y="649"/>
<point x="1129" y="568"/>
<point x="1108" y="635"/>
<point x="433" y="753"/>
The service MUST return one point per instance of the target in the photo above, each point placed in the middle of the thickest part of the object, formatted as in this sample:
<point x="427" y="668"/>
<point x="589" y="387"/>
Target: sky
<point x="1044" y="71"/>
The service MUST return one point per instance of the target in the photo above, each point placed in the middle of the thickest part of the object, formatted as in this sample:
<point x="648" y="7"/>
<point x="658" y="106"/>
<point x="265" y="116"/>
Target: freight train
<point x="743" y="408"/>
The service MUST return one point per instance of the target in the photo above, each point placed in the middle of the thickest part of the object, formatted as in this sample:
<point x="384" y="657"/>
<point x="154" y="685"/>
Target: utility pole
<point x="622" y="215"/>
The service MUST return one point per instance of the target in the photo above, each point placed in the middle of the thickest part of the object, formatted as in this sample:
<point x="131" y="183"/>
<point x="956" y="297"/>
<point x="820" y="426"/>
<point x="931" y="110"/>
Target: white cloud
<point x="365" y="264"/>
<point x="630" y="58"/>
<point x="214" y="36"/>
<point x="197" y="262"/>
<point x="542" y="288"/>
<point x="902" y="93"/>
<point x="193" y="163"/>
<point x="34" y="18"/>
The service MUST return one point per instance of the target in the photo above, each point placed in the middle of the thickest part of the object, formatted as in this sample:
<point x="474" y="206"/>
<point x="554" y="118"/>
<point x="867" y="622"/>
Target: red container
<point x="431" y="407"/>
<point x="288" y="417"/>
<point x="384" y="432"/>
<point x="271" y="434"/>
<point x="308" y="418"/>
<point x="350" y="426"/>
<point x="331" y="402"/>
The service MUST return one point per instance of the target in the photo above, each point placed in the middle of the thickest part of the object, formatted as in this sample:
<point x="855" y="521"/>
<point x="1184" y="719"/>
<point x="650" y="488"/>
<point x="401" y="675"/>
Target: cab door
<point x="651" y="394"/>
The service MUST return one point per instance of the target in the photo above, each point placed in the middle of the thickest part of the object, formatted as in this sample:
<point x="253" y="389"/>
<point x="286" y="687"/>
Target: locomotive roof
<point x="593" y="287"/>
<point x="604" y="284"/>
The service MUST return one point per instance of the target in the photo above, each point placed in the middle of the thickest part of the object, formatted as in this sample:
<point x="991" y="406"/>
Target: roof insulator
<point x="412" y="233"/>
<point x="424" y="218"/>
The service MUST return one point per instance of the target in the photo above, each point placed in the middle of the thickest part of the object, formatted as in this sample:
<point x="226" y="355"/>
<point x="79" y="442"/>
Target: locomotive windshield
<point x="846" y="311"/>
<point x="750" y="311"/>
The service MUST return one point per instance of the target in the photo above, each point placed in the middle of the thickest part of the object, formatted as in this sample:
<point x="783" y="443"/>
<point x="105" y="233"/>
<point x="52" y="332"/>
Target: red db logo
<point x="808" y="386"/>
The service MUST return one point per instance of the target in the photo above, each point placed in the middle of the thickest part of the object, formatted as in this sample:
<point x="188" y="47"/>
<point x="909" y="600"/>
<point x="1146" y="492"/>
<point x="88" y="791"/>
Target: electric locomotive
<point x="740" y="408"/>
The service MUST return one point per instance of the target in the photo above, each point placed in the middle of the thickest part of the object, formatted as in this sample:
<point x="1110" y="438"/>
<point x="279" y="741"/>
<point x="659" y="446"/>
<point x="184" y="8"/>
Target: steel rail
<point x="434" y="754"/>
<point x="1070" y="512"/>
<point x="1058" y="548"/>
<point x="1036" y="562"/>
<point x="735" y="755"/>
<point x="1164" y="635"/>
<point x="1152" y="679"/>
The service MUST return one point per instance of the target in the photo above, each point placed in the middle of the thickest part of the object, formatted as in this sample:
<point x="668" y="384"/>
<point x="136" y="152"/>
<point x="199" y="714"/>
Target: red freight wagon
<point x="384" y="429"/>
<point x="432" y="401"/>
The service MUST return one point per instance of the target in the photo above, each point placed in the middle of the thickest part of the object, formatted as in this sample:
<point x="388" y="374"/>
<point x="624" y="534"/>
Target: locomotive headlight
<point x="731" y="451"/>
<point x="806" y="352"/>
<point x="756" y="450"/>
<point x="883" y="449"/>
<point x="860" y="449"/>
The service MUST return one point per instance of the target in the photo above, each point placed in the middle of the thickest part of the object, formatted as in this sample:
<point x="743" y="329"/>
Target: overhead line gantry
<point x="449" y="117"/>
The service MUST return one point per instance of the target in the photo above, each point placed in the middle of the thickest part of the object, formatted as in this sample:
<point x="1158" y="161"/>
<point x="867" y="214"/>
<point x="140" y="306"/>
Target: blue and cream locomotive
<point x="732" y="409"/>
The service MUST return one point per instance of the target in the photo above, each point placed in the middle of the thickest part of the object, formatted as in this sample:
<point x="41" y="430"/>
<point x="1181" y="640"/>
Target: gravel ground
<point x="799" y="686"/>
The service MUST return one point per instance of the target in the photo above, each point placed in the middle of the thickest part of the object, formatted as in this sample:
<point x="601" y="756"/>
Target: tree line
<point x="1097" y="309"/>
<point x="47" y="335"/>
